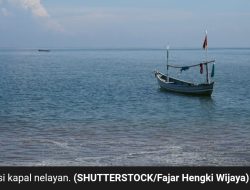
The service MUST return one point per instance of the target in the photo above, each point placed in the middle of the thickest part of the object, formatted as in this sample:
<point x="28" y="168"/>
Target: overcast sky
<point x="123" y="23"/>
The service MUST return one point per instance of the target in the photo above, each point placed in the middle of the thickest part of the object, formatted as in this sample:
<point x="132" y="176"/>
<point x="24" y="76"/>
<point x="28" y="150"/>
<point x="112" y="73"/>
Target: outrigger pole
<point x="195" y="65"/>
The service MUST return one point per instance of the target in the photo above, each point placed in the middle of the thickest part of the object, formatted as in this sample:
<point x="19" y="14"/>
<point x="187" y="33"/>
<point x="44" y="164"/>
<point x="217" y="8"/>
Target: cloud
<point x="34" y="6"/>
<point x="4" y="11"/>
<point x="37" y="10"/>
<point x="54" y="25"/>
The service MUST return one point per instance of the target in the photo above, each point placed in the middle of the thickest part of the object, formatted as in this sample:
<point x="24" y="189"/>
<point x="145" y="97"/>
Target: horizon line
<point x="118" y="48"/>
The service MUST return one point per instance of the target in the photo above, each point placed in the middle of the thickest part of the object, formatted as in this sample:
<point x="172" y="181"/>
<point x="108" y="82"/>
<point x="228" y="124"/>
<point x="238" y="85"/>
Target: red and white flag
<point x="205" y="42"/>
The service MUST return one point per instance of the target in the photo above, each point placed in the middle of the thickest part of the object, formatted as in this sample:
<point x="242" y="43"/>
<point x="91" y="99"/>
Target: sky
<point x="124" y="23"/>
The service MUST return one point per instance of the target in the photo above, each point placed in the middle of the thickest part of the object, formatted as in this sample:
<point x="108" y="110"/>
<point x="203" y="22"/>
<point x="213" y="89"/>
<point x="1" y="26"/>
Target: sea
<point x="104" y="107"/>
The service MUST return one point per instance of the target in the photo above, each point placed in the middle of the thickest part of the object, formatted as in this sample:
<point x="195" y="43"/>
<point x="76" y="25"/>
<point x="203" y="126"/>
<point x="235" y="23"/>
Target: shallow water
<point x="104" y="107"/>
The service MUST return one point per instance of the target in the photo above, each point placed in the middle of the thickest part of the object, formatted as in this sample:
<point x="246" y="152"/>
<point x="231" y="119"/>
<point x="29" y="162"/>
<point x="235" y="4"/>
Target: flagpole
<point x="206" y="46"/>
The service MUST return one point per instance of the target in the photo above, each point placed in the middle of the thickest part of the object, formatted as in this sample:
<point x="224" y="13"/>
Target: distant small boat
<point x="176" y="85"/>
<point x="45" y="50"/>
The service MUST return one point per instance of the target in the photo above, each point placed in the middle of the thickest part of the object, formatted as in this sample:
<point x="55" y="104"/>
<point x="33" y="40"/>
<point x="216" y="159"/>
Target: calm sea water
<point x="104" y="107"/>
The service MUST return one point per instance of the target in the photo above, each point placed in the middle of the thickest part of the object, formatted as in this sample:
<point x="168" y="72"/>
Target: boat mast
<point x="205" y="46"/>
<point x="167" y="63"/>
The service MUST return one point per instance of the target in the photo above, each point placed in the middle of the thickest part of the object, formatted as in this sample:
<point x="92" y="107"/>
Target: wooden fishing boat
<point x="176" y="85"/>
<point x="173" y="84"/>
